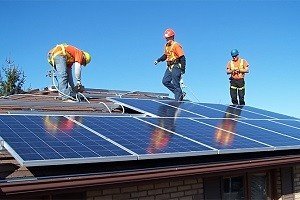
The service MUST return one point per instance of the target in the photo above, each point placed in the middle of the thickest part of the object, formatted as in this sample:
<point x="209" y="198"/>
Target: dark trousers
<point x="237" y="88"/>
<point x="171" y="80"/>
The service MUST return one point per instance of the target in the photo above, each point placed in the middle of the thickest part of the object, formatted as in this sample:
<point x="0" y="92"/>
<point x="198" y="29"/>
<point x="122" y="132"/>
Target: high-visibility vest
<point x="171" y="56"/>
<point x="241" y="65"/>
<point x="60" y="49"/>
<point x="237" y="75"/>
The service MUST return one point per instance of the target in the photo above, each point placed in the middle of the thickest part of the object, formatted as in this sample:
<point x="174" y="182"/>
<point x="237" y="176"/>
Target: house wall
<point x="192" y="188"/>
<point x="297" y="182"/>
<point x="176" y="189"/>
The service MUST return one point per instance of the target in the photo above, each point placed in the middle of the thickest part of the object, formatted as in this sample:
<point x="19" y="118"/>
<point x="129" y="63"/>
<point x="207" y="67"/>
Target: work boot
<point x="182" y="96"/>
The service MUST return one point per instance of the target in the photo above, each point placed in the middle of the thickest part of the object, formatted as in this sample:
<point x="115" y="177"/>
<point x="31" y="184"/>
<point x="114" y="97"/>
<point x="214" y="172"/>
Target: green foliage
<point x="13" y="81"/>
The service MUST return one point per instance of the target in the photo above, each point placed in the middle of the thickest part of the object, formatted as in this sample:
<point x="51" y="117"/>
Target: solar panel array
<point x="174" y="129"/>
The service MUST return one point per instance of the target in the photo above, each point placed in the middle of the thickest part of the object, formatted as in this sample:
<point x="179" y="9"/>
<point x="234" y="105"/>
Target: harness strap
<point x="237" y="88"/>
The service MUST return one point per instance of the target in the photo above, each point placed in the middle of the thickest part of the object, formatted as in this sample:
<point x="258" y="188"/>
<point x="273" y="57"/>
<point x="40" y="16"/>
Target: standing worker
<point x="176" y="62"/>
<point x="237" y="67"/>
<point x="61" y="58"/>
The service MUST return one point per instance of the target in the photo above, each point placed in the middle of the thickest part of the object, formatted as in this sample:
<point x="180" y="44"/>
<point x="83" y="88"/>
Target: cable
<point x="78" y="98"/>
<point x="105" y="106"/>
<point x="182" y="85"/>
<point x="123" y="109"/>
<point x="60" y="92"/>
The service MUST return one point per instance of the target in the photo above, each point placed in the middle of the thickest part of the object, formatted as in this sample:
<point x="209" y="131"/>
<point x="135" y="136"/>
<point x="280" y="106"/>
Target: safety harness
<point x="233" y="67"/>
<point x="172" y="59"/>
<point x="59" y="49"/>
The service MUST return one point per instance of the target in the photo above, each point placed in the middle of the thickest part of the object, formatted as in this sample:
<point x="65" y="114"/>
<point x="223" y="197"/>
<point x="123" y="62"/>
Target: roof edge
<point x="38" y="186"/>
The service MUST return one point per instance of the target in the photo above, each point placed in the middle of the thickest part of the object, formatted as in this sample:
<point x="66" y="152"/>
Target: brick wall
<point x="181" y="189"/>
<point x="297" y="182"/>
<point x="278" y="184"/>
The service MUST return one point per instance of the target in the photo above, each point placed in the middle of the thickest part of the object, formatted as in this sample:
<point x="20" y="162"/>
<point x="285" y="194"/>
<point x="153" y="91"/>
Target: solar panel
<point x="220" y="136"/>
<point x="146" y="140"/>
<point x="51" y="140"/>
<point x="246" y="128"/>
<point x="266" y="113"/>
<point x="154" y="108"/>
<point x="175" y="129"/>
<point x="285" y="127"/>
<point x="236" y="111"/>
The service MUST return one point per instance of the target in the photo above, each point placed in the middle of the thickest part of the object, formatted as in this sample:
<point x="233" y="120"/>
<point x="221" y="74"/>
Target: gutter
<point x="50" y="185"/>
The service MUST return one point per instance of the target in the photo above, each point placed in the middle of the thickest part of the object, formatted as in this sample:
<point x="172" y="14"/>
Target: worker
<point x="237" y="68"/>
<point x="176" y="62"/>
<point x="62" y="57"/>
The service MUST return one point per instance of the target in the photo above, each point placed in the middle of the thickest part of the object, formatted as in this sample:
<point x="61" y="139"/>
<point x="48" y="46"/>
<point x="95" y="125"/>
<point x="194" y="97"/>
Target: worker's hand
<point x="183" y="70"/>
<point x="79" y="87"/>
<point x="155" y="62"/>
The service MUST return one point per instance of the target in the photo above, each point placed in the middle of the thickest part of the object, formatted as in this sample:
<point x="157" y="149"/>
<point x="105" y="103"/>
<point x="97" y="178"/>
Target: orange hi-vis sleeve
<point x="71" y="53"/>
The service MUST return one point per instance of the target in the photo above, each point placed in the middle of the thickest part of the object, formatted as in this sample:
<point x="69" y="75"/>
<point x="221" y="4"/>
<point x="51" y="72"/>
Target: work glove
<point x="182" y="69"/>
<point x="155" y="62"/>
<point x="79" y="87"/>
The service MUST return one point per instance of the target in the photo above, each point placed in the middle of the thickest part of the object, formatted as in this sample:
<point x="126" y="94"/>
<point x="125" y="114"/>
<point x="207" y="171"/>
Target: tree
<point x="14" y="79"/>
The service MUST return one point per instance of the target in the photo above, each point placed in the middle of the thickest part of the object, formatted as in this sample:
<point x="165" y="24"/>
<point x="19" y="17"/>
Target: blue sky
<point x="125" y="37"/>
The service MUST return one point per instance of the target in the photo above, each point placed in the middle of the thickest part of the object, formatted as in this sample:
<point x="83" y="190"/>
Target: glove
<point x="155" y="62"/>
<point x="79" y="88"/>
<point x="183" y="70"/>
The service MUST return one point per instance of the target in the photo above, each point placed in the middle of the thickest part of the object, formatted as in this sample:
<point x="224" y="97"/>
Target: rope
<point x="106" y="107"/>
<point x="60" y="92"/>
<point x="182" y="85"/>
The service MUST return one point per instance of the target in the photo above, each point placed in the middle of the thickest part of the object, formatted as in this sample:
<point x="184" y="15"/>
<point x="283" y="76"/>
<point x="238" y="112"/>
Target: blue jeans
<point x="64" y="76"/>
<point x="171" y="80"/>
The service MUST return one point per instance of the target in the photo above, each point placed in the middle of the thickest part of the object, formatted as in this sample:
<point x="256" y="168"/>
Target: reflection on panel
<point x="258" y="134"/>
<point x="154" y="108"/>
<point x="55" y="139"/>
<point x="208" y="135"/>
<point x="206" y="111"/>
<point x="142" y="138"/>
<point x="242" y="111"/>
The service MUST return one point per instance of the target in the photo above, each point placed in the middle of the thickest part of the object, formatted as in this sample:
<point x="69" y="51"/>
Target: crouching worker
<point x="62" y="57"/>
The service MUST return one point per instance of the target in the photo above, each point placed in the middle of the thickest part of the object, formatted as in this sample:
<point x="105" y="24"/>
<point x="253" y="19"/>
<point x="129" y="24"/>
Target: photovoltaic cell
<point x="46" y="140"/>
<point x="145" y="140"/>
